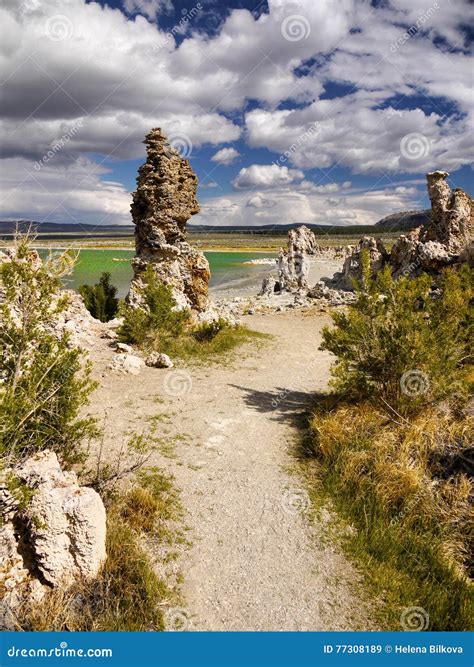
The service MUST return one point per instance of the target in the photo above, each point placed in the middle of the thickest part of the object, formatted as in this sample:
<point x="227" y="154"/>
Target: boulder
<point x="158" y="360"/>
<point x="127" y="363"/>
<point x="67" y="522"/>
<point x="123" y="347"/>
<point x="56" y="537"/>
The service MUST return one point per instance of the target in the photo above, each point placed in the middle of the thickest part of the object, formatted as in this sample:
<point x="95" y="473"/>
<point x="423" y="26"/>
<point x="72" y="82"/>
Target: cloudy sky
<point x="308" y="111"/>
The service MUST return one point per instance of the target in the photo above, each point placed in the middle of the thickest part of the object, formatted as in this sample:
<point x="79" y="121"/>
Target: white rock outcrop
<point x="159" y="360"/>
<point x="56" y="538"/>
<point x="67" y="522"/>
<point x="126" y="363"/>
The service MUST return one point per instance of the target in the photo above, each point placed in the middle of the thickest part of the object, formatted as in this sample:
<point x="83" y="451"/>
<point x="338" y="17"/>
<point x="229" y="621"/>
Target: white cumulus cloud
<point x="225" y="156"/>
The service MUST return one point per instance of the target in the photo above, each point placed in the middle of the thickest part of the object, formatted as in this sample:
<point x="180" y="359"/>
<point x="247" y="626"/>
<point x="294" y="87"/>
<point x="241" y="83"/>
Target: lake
<point x="227" y="268"/>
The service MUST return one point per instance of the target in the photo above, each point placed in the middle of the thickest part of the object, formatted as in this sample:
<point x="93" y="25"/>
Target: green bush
<point x="156" y="317"/>
<point x="100" y="299"/>
<point x="44" y="382"/>
<point x="207" y="331"/>
<point x="400" y="342"/>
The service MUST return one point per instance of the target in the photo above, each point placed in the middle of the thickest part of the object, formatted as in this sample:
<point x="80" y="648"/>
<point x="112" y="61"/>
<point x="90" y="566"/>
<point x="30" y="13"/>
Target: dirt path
<point x="256" y="562"/>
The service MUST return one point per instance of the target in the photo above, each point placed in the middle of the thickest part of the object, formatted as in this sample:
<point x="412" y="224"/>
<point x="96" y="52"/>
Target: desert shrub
<point x="209" y="330"/>
<point x="100" y="299"/>
<point x="211" y="346"/>
<point x="45" y="382"/>
<point x="392" y="443"/>
<point x="156" y="318"/>
<point x="401" y="342"/>
<point x="411" y="513"/>
<point x="158" y="326"/>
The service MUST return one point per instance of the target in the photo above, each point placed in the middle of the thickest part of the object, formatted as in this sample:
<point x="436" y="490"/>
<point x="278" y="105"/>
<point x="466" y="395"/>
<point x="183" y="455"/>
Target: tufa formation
<point x="163" y="202"/>
<point x="447" y="239"/>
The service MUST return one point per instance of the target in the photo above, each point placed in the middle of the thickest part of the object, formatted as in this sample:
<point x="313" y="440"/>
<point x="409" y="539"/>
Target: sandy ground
<point x="256" y="561"/>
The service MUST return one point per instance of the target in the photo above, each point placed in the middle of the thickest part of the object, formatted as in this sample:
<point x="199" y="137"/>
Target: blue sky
<point x="327" y="112"/>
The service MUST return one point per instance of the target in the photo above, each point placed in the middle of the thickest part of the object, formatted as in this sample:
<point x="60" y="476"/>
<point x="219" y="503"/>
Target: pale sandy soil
<point x="256" y="561"/>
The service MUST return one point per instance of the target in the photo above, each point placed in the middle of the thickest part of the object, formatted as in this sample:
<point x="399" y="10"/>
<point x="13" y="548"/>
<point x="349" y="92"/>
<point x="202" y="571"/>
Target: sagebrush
<point x="45" y="383"/>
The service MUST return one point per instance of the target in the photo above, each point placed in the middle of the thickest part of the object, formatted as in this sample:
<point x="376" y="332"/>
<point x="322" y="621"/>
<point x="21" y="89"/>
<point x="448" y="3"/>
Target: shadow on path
<point x="281" y="404"/>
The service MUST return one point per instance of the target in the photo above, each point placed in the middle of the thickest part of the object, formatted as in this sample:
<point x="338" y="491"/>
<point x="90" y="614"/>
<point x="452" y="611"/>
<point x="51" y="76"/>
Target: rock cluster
<point x="164" y="200"/>
<point x="446" y="240"/>
<point x="352" y="269"/>
<point x="54" y="538"/>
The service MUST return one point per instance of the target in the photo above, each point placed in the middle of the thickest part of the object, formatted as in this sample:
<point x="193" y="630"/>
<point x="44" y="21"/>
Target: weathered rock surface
<point x="159" y="360"/>
<point x="301" y="243"/>
<point x="352" y="269"/>
<point x="448" y="237"/>
<point x="293" y="263"/>
<point x="332" y="252"/>
<point x="164" y="200"/>
<point x="66" y="521"/>
<point x="57" y="538"/>
<point x="268" y="285"/>
<point x="126" y="363"/>
<point x="334" y="297"/>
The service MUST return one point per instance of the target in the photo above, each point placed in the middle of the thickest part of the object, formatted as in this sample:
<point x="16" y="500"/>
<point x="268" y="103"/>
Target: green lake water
<point x="227" y="268"/>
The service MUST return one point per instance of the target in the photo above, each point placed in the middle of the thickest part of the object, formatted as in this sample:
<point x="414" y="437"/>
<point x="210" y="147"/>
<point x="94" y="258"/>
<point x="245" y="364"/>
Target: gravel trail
<point x="256" y="561"/>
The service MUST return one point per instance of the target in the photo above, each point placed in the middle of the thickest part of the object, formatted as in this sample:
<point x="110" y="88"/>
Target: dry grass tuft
<point x="404" y="486"/>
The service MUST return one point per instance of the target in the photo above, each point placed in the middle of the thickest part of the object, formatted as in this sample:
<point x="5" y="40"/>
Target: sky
<point x="326" y="112"/>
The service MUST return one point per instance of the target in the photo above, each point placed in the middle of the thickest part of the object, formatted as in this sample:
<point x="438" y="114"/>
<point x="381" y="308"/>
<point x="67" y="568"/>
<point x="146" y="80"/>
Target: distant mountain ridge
<point x="404" y="221"/>
<point x="8" y="227"/>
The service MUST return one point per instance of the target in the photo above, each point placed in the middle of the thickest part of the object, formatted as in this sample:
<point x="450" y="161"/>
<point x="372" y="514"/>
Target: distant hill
<point x="403" y="221"/>
<point x="53" y="230"/>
